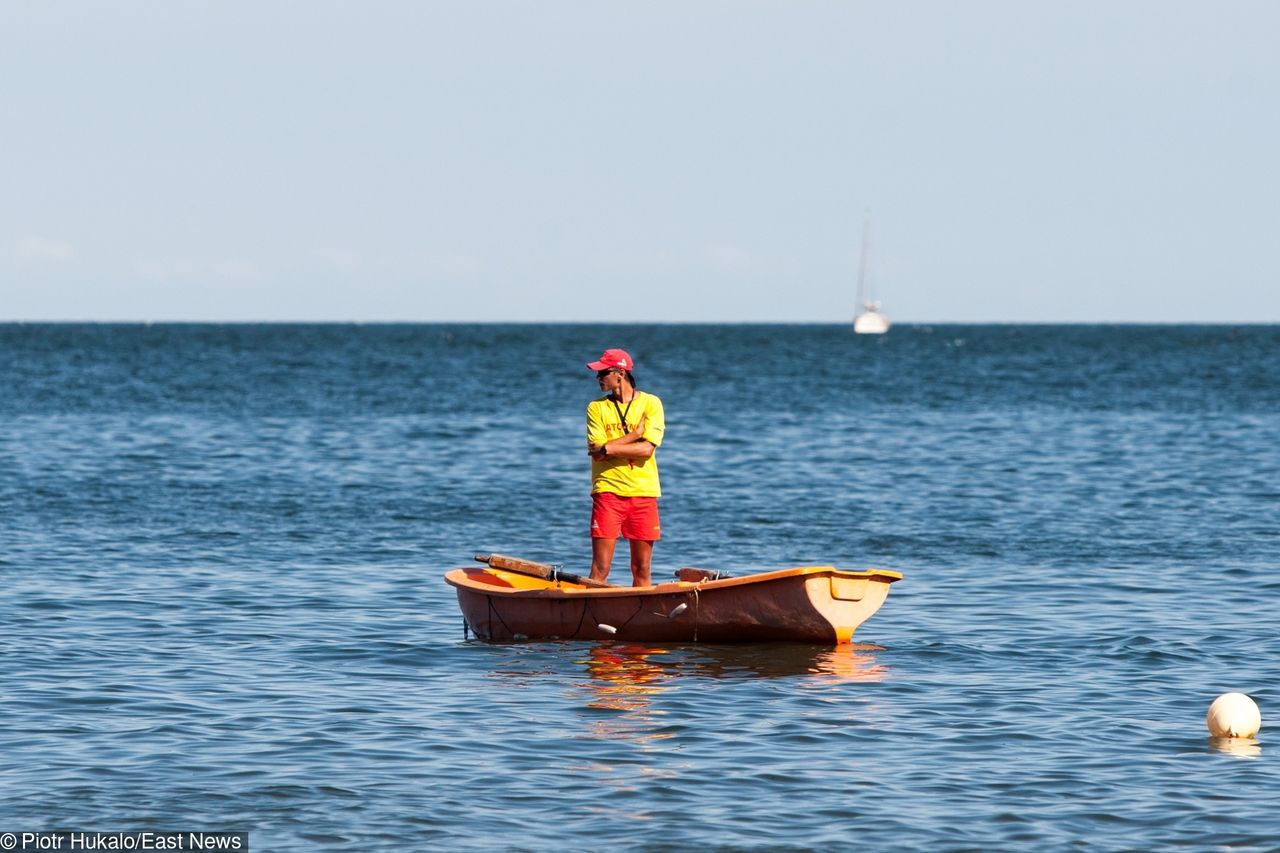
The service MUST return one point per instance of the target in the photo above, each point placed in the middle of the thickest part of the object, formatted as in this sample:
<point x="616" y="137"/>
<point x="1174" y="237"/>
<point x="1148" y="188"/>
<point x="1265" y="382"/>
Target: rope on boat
<point x="639" y="607"/>
<point x="696" y="602"/>
<point x="493" y="611"/>
<point x="582" y="618"/>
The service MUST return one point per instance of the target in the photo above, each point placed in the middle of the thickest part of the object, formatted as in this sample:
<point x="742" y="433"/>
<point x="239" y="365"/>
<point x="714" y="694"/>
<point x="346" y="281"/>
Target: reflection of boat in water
<point x="807" y="604"/>
<point x="625" y="678"/>
<point x="628" y="677"/>
<point x="848" y="662"/>
<point x="624" y="675"/>
<point x="623" y="683"/>
<point x="644" y="669"/>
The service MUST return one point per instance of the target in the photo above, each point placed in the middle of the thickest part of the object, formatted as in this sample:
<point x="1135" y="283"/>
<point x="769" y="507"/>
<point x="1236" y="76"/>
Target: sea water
<point x="222" y="550"/>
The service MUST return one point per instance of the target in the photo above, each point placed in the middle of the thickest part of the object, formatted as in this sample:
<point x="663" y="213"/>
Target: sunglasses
<point x="601" y="374"/>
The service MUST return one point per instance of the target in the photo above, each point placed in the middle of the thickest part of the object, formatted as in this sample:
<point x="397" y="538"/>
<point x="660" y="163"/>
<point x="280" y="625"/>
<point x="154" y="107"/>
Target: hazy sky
<point x="639" y="161"/>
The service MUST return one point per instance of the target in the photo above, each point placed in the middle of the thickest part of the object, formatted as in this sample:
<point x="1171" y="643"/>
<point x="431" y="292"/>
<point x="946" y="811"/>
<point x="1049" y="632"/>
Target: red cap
<point x="613" y="358"/>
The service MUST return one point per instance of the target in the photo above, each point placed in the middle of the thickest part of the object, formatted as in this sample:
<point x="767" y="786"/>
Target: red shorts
<point x="634" y="518"/>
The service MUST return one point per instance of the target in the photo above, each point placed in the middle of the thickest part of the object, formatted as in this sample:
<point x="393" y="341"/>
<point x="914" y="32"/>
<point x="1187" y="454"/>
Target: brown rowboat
<point x="513" y="599"/>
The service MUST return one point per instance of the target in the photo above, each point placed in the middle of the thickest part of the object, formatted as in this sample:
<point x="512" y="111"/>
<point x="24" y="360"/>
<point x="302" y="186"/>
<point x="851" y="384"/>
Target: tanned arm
<point x="629" y="446"/>
<point x="638" y="449"/>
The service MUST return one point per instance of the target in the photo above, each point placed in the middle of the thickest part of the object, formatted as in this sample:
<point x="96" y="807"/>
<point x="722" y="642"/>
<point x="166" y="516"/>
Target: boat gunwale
<point x="461" y="578"/>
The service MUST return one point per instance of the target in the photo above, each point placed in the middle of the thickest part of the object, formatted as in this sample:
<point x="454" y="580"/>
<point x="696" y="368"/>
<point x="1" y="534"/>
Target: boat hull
<point x="871" y="323"/>
<point x="809" y="604"/>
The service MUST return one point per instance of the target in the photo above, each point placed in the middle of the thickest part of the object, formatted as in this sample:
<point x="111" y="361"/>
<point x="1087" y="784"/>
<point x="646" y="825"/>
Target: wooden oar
<point x="546" y="571"/>
<point x="691" y="575"/>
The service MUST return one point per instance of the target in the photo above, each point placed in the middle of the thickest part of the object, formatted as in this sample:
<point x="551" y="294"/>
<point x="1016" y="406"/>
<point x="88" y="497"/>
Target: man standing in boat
<point x="624" y="429"/>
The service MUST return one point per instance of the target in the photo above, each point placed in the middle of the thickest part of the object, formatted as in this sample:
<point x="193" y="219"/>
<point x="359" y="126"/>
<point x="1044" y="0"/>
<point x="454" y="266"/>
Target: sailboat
<point x="869" y="320"/>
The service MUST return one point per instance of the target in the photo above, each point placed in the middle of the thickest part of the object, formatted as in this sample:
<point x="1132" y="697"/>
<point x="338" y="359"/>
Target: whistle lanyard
<point x="622" y="414"/>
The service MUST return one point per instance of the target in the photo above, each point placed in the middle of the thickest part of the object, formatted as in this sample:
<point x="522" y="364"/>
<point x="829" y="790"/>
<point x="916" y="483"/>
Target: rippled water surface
<point x="222" y="608"/>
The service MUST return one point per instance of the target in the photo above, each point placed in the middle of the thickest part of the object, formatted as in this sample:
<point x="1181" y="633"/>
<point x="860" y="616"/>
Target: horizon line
<point x="415" y="322"/>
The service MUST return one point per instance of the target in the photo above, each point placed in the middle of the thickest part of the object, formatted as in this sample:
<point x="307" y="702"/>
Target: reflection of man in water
<point x="624" y="668"/>
<point x="624" y="429"/>
<point x="624" y="679"/>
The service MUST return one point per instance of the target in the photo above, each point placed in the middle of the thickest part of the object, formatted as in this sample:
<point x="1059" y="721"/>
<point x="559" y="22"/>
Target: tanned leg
<point x="601" y="558"/>
<point x="641" y="556"/>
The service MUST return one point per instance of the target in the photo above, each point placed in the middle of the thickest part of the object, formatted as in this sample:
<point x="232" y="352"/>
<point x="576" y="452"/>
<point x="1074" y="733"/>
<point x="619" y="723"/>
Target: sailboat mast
<point x="868" y="320"/>
<point x="862" y="264"/>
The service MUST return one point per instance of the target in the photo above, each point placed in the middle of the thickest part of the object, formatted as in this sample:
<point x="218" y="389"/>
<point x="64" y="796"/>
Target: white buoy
<point x="1233" y="715"/>
<point x="608" y="629"/>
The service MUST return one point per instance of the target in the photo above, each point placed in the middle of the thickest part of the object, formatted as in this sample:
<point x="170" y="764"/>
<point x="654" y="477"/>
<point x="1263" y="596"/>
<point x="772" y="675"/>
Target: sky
<point x="607" y="161"/>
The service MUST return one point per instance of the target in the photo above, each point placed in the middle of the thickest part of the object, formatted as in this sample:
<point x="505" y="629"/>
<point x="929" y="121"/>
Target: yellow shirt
<point x="630" y="478"/>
